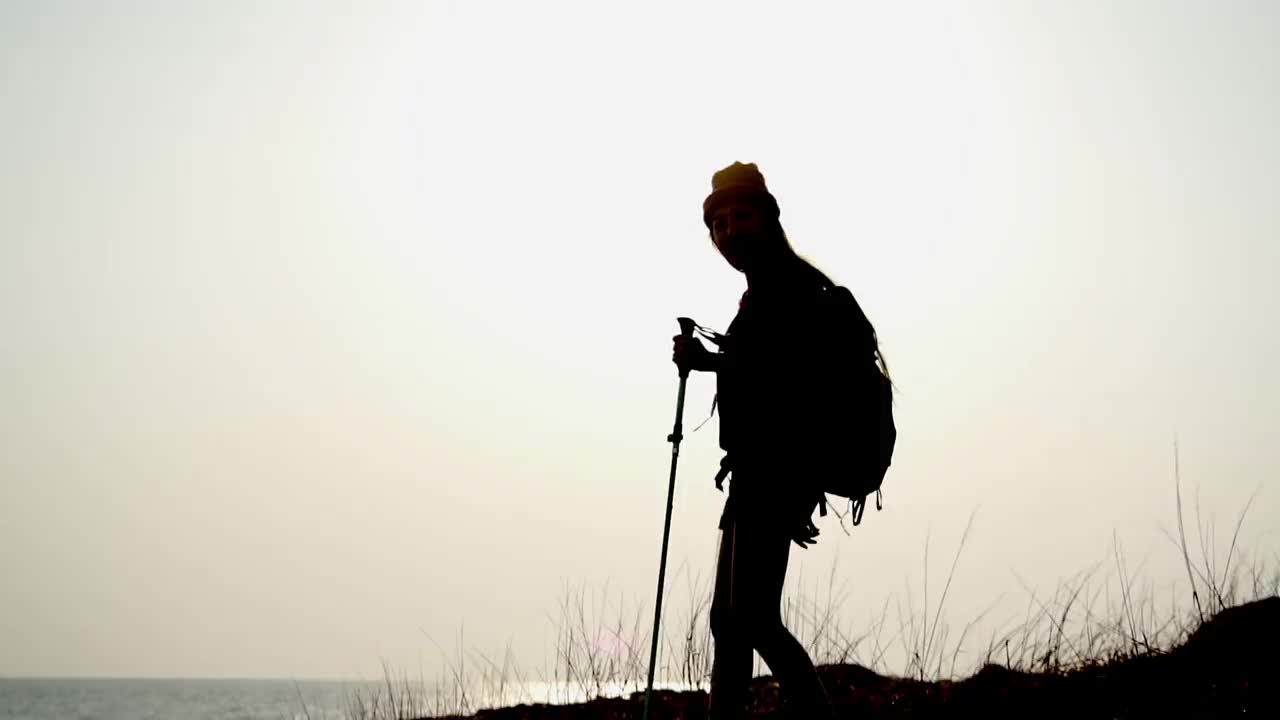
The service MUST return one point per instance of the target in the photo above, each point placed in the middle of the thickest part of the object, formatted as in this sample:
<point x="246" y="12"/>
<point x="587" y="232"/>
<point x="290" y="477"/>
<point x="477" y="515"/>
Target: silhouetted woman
<point x="766" y="374"/>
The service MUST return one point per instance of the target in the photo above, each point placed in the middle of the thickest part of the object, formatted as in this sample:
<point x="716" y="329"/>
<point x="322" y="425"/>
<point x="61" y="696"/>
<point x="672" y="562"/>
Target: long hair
<point x="864" y="327"/>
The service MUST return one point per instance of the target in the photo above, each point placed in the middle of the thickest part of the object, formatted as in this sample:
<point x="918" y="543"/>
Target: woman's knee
<point x="757" y="629"/>
<point x="766" y="630"/>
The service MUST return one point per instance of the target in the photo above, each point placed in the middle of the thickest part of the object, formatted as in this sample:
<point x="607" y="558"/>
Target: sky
<point x="339" y="334"/>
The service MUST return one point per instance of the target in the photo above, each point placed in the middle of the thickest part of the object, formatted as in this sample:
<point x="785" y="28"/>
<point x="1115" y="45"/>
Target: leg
<point x="762" y="552"/>
<point x="731" y="666"/>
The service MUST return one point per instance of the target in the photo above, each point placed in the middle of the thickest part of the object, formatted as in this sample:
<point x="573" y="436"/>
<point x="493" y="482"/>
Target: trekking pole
<point x="686" y="330"/>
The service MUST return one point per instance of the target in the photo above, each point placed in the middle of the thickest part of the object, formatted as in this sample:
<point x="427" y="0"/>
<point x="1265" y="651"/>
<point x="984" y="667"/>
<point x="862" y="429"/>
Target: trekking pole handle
<point x="686" y="330"/>
<point x="686" y="326"/>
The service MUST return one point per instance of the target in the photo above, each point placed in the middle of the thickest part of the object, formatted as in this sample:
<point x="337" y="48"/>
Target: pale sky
<point x="329" y="329"/>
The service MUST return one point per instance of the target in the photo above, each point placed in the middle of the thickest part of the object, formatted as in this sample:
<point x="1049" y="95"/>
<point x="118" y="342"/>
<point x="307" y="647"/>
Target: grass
<point x="1100" y="615"/>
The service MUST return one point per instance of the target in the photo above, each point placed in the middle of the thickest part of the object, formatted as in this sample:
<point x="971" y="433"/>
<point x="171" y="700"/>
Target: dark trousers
<point x="746" y="616"/>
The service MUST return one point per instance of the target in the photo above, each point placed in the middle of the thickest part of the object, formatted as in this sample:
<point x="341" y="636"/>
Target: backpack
<point x="858" y="435"/>
<point x="854" y="440"/>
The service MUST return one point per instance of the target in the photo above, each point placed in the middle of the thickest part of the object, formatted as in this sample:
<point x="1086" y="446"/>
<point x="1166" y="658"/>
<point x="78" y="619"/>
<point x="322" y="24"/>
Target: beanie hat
<point x="738" y="182"/>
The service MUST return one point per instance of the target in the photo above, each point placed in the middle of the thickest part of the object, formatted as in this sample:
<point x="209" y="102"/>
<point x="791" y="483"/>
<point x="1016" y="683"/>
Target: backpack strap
<point x="718" y="339"/>
<point x="858" y="505"/>
<point x="708" y="333"/>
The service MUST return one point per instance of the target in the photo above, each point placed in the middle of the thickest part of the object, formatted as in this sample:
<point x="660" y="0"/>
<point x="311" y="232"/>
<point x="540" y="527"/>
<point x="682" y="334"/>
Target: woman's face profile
<point x="738" y="232"/>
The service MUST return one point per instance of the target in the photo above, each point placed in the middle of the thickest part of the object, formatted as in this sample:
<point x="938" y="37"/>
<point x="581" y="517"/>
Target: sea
<point x="177" y="699"/>
<point x="199" y="699"/>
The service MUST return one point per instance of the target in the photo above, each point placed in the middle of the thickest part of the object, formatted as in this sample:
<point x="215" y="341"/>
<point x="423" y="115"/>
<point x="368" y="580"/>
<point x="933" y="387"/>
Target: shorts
<point x="768" y="498"/>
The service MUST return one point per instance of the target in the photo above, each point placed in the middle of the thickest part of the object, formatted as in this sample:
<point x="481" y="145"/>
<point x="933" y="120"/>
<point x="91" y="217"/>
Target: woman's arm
<point x="689" y="352"/>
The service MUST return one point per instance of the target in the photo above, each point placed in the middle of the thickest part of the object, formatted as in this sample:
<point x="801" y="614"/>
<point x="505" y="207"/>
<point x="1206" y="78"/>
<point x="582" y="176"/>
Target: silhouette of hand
<point x="807" y="534"/>
<point x="690" y="353"/>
